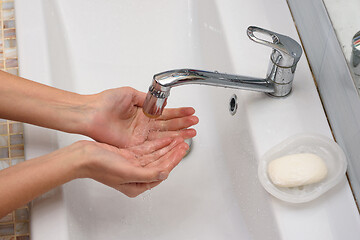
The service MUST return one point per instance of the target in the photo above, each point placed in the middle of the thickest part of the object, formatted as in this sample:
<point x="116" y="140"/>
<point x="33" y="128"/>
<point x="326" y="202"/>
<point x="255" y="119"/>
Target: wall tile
<point x="21" y="228"/>
<point x="11" y="63"/>
<point x="4" y="163"/>
<point x="8" y="14"/>
<point x="16" y="139"/>
<point x="13" y="71"/>
<point x="3" y="129"/>
<point x="16" y="127"/>
<point x="4" y="141"/>
<point x="7" y="218"/>
<point x="9" y="43"/>
<point x="6" y="229"/>
<point x="17" y="151"/>
<point x="8" y="5"/>
<point x="22" y="214"/>
<point x="9" y="33"/>
<point x="10" y="53"/>
<point x="15" y="161"/>
<point x="4" y="152"/>
<point x="22" y="238"/>
<point x="9" y="24"/>
<point x="7" y="238"/>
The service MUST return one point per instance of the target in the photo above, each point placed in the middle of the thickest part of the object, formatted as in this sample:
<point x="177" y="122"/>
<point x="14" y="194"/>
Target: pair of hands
<point x="133" y="153"/>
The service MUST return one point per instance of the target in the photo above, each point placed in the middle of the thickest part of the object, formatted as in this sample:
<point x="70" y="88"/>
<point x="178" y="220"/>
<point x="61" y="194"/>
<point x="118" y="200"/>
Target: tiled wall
<point x="14" y="226"/>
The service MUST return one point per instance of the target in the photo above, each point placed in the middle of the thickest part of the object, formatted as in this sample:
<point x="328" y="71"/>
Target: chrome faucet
<point x="278" y="82"/>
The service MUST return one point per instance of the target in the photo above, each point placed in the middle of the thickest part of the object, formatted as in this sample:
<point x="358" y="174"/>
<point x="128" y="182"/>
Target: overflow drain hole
<point x="233" y="104"/>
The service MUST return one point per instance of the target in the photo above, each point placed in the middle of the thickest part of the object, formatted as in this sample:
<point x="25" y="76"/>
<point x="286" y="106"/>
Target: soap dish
<point x="324" y="147"/>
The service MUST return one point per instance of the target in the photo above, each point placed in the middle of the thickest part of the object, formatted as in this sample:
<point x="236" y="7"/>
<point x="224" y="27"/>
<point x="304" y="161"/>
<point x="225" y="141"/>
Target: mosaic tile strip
<point x="14" y="226"/>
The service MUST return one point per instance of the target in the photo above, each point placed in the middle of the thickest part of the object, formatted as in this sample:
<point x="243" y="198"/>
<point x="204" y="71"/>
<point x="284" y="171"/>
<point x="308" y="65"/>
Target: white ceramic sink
<point x="214" y="193"/>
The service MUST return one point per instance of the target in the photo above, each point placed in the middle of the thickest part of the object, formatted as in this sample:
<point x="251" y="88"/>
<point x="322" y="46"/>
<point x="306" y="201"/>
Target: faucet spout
<point x="180" y="77"/>
<point x="159" y="90"/>
<point x="278" y="82"/>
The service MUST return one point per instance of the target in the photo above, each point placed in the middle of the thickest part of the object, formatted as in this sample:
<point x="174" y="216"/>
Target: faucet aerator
<point x="154" y="104"/>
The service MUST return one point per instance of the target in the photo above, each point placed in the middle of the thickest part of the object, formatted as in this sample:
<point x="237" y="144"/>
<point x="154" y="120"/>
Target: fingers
<point x="184" y="133"/>
<point x="171" y="113"/>
<point x="159" y="169"/>
<point x="156" y="155"/>
<point x="171" y="159"/>
<point x="134" y="189"/>
<point x="145" y="175"/>
<point x="176" y="123"/>
<point x="150" y="146"/>
<point x="141" y="179"/>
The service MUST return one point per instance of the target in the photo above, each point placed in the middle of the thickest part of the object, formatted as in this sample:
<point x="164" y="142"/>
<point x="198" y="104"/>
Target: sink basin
<point x="214" y="193"/>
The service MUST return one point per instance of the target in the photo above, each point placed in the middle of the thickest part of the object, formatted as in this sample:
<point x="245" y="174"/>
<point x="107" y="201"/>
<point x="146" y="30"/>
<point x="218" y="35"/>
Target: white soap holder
<point x="324" y="147"/>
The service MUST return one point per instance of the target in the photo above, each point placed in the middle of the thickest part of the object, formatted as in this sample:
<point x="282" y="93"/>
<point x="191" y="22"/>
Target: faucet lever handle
<point x="289" y="49"/>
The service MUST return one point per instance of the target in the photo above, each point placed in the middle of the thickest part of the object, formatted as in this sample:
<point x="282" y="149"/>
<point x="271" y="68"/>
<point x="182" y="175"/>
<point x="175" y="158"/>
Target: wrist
<point x="84" y="110"/>
<point x="81" y="159"/>
<point x="62" y="165"/>
<point x="74" y="114"/>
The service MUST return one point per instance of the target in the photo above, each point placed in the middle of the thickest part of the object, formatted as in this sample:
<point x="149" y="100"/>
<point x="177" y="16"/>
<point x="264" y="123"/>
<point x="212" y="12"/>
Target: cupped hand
<point x="136" y="169"/>
<point x="117" y="119"/>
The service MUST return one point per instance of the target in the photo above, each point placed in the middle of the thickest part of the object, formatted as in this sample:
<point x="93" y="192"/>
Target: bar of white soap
<point x="297" y="170"/>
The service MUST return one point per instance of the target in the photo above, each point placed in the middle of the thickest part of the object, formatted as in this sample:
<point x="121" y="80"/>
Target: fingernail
<point x="163" y="176"/>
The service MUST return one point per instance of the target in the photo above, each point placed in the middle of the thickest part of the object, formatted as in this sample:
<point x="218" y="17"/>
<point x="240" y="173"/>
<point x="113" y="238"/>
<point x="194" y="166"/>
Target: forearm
<point x="23" y="182"/>
<point x="27" y="101"/>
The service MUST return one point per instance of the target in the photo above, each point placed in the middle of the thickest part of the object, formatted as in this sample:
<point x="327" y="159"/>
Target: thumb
<point x="138" y="98"/>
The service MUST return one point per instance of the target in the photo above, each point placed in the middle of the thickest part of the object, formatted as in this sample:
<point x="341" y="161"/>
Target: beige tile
<point x="10" y="63"/>
<point x="21" y="214"/>
<point x="4" y="141"/>
<point x="15" y="161"/>
<point x="3" y="128"/>
<point x="4" y="152"/>
<point x="27" y="237"/>
<point x="8" y="5"/>
<point x="6" y="229"/>
<point x="8" y="14"/>
<point x="13" y="71"/>
<point x="21" y="228"/>
<point x="10" y="53"/>
<point x="16" y="151"/>
<point x="7" y="218"/>
<point x="9" y="33"/>
<point x="4" y="163"/>
<point x="7" y="238"/>
<point x="16" y="127"/>
<point x="15" y="139"/>
<point x="10" y="43"/>
<point x="9" y="24"/>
